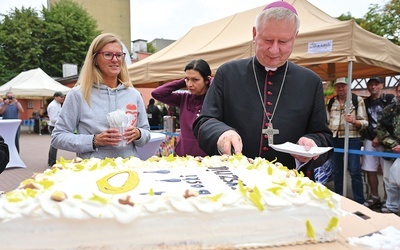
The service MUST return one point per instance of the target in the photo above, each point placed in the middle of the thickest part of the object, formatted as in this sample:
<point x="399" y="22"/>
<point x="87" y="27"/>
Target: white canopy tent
<point x="33" y="84"/>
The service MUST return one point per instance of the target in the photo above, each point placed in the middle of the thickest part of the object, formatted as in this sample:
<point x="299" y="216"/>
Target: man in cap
<point x="357" y="119"/>
<point x="374" y="105"/>
<point x="53" y="111"/>
<point x="249" y="95"/>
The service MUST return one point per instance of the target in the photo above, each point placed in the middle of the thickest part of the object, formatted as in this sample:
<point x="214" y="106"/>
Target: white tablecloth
<point x="8" y="129"/>
<point x="151" y="147"/>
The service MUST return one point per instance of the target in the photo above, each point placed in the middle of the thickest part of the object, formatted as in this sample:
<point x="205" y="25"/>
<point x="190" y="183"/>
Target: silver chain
<point x="259" y="92"/>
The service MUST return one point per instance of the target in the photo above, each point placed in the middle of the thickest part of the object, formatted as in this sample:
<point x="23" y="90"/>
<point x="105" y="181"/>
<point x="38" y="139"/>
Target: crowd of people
<point x="372" y="125"/>
<point x="249" y="106"/>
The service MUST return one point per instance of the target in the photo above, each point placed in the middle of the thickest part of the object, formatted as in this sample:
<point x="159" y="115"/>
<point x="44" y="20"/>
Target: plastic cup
<point x="121" y="130"/>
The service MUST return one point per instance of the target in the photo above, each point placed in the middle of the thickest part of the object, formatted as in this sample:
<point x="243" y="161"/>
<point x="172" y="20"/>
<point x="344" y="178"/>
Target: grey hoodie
<point x="79" y="122"/>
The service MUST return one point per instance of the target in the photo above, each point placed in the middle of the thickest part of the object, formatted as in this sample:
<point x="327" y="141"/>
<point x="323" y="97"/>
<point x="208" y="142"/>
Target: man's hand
<point x="307" y="143"/>
<point x="230" y="142"/>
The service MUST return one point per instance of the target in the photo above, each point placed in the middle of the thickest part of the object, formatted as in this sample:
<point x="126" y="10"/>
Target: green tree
<point x="384" y="20"/>
<point x="151" y="48"/>
<point x="21" y="34"/>
<point x="348" y="16"/>
<point x="69" y="32"/>
<point x="28" y="39"/>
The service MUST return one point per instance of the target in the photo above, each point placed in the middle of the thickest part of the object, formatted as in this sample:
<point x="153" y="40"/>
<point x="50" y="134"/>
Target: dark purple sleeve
<point x="165" y="93"/>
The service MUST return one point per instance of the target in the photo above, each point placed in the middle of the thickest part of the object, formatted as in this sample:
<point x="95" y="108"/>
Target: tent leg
<point x="346" y="132"/>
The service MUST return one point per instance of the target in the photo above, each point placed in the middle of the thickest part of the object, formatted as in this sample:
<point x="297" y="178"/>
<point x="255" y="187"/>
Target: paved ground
<point x="34" y="151"/>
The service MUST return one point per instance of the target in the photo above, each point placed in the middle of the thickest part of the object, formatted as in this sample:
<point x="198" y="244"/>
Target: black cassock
<point x="233" y="102"/>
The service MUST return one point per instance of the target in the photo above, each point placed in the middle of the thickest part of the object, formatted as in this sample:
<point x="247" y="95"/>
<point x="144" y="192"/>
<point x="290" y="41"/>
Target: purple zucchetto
<point x="281" y="4"/>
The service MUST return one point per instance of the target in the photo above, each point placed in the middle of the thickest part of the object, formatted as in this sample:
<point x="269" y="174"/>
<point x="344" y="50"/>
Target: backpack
<point x="354" y="100"/>
<point x="386" y="120"/>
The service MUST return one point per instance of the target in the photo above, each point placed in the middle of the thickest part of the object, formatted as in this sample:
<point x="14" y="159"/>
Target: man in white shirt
<point x="53" y="111"/>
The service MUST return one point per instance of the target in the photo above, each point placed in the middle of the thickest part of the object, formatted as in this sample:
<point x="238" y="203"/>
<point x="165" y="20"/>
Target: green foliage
<point x="329" y="91"/>
<point x="69" y="32"/>
<point x="21" y="35"/>
<point x="347" y="16"/>
<point x="28" y="39"/>
<point x="384" y="20"/>
<point x="151" y="48"/>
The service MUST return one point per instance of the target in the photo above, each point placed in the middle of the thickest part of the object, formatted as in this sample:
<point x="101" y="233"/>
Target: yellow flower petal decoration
<point x="170" y="158"/>
<point x="215" y="197"/>
<point x="15" y="196"/>
<point x="62" y="160"/>
<point x="98" y="199"/>
<point x="242" y="189"/>
<point x="31" y="192"/>
<point x="107" y="161"/>
<point x="255" y="197"/>
<point x="275" y="190"/>
<point x="310" y="230"/>
<point x="334" y="222"/>
<point x="79" y="167"/>
<point x="78" y="197"/>
<point x="94" y="167"/>
<point x="151" y="192"/>
<point x="270" y="170"/>
<point x="46" y="183"/>
<point x="322" y="192"/>
<point x="235" y="157"/>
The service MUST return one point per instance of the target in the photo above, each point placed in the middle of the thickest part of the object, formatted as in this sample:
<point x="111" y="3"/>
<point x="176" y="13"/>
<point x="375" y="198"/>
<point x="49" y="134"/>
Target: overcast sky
<point x="171" y="19"/>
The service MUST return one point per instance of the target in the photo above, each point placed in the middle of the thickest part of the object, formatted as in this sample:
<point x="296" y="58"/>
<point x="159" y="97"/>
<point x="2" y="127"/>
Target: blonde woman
<point x="103" y="87"/>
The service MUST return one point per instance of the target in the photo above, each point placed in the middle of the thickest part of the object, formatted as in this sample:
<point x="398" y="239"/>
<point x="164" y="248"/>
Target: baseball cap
<point x="375" y="78"/>
<point x="340" y="80"/>
<point x="58" y="93"/>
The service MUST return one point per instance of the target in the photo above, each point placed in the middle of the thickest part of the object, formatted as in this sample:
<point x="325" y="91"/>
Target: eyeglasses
<point x="109" y="55"/>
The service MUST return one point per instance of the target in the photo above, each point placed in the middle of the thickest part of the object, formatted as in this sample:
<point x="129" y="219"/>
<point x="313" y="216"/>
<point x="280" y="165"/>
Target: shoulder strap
<point x="354" y="99"/>
<point x="330" y="103"/>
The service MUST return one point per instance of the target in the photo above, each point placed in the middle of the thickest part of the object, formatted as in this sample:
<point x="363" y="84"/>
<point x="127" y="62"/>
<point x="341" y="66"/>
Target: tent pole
<point x="40" y="125"/>
<point x="346" y="126"/>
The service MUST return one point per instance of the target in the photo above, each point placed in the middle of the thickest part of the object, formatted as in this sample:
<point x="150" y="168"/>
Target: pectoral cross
<point x="270" y="131"/>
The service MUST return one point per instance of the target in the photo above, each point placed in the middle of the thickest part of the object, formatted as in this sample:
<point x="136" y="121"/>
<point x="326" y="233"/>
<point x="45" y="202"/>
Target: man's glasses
<point x="109" y="55"/>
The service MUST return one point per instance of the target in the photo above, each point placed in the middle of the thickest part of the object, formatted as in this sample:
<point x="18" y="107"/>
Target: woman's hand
<point x="109" y="137"/>
<point x="131" y="134"/>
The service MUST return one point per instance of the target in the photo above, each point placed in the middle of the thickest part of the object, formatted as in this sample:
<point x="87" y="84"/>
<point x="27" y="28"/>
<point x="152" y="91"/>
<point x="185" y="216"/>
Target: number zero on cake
<point x="218" y="202"/>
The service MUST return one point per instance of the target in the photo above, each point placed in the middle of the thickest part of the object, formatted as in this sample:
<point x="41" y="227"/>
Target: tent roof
<point x="33" y="83"/>
<point x="230" y="38"/>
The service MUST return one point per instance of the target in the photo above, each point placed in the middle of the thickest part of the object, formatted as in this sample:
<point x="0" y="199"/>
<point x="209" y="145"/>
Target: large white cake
<point x="167" y="203"/>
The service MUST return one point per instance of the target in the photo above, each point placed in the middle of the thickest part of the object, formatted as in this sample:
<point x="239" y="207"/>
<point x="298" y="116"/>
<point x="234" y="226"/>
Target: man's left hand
<point x="307" y="143"/>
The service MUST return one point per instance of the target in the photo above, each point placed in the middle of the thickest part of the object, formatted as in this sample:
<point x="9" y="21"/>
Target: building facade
<point x="111" y="16"/>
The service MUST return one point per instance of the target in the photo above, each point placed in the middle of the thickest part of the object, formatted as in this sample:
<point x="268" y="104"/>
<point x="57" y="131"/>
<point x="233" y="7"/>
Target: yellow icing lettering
<point x="131" y="182"/>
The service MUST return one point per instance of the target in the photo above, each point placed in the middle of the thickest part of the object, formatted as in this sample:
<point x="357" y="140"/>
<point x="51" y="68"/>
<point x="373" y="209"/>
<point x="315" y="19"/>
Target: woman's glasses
<point x="109" y="55"/>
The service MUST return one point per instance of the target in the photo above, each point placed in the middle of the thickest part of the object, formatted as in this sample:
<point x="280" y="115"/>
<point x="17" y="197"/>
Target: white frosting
<point x="273" y="208"/>
<point x="387" y="238"/>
